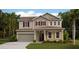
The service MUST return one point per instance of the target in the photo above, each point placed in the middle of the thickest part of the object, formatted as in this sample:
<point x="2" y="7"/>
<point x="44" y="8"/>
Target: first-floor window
<point x="57" y="34"/>
<point x="49" y="34"/>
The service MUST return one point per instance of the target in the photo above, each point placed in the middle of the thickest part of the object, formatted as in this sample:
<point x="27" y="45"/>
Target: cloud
<point x="21" y="13"/>
<point x="26" y="14"/>
<point x="55" y="14"/>
<point x="31" y="13"/>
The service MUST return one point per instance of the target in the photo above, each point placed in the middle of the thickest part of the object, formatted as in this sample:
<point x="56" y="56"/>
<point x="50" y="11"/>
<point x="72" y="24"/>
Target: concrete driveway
<point x="14" y="45"/>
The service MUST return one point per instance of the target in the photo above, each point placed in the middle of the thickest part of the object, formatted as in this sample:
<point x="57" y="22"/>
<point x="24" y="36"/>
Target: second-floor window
<point x="54" y="22"/>
<point x="40" y="23"/>
<point x="37" y="23"/>
<point x="43" y="23"/>
<point x="58" y="22"/>
<point x="51" y="23"/>
<point x="26" y="24"/>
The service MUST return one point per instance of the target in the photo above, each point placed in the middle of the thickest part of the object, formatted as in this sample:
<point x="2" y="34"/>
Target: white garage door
<point x="25" y="36"/>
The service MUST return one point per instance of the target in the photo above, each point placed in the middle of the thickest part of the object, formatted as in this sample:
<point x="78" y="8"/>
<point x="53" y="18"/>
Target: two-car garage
<point x="25" y="36"/>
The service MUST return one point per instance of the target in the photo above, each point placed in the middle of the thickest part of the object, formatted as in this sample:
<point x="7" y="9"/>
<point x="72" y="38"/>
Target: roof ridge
<point x="40" y="16"/>
<point x="50" y="15"/>
<point x="25" y="17"/>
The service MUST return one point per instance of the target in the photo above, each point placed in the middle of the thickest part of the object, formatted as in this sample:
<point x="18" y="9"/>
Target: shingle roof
<point x="50" y="27"/>
<point x="26" y="18"/>
<point x="39" y="17"/>
<point x="24" y="30"/>
<point x="50" y="16"/>
<point x="45" y="16"/>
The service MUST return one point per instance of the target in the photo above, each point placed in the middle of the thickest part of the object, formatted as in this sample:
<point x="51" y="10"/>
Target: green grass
<point x="53" y="45"/>
<point x="3" y="41"/>
<point x="8" y="39"/>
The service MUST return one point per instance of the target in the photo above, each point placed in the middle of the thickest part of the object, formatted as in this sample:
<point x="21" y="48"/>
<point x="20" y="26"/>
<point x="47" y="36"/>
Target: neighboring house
<point x="41" y="28"/>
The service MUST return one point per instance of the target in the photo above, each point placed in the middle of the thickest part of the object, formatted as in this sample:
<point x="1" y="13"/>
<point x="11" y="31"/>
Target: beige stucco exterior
<point x="24" y="33"/>
<point x="20" y="25"/>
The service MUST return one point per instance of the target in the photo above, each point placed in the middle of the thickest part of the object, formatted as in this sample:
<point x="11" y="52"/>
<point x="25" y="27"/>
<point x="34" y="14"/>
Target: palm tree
<point x="74" y="15"/>
<point x="70" y="18"/>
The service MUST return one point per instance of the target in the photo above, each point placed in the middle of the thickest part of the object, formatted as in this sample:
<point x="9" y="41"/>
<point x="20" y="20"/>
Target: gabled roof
<point x="39" y="17"/>
<point x="50" y="16"/>
<point x="46" y="16"/>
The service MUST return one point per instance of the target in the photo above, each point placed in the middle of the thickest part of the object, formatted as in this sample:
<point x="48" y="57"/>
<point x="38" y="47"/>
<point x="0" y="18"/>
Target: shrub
<point x="67" y="41"/>
<point x="66" y="35"/>
<point x="46" y="41"/>
<point x="12" y="38"/>
<point x="34" y="41"/>
<point x="60" y="41"/>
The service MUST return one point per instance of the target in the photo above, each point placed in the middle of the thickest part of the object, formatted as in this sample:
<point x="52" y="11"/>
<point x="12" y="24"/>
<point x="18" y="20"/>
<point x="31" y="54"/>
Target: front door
<point x="41" y="36"/>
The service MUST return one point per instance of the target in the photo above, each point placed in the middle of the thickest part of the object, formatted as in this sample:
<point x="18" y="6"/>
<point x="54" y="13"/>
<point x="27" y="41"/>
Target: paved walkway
<point x="14" y="45"/>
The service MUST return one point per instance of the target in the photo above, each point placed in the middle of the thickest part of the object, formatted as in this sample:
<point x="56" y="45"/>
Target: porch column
<point x="62" y="34"/>
<point x="34" y="34"/>
<point x="45" y="39"/>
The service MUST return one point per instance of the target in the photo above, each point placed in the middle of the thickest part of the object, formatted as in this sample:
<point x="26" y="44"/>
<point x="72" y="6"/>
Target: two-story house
<point x="41" y="28"/>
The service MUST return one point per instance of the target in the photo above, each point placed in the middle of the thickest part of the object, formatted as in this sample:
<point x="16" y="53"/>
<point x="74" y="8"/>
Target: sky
<point x="34" y="12"/>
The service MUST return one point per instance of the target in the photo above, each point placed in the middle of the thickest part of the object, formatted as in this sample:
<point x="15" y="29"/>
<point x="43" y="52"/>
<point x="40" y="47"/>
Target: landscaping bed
<point x="54" y="45"/>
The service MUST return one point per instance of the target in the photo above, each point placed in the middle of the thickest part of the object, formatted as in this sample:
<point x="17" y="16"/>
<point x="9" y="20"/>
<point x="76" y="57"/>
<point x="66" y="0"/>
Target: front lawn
<point x="3" y="41"/>
<point x="8" y="39"/>
<point x="53" y="45"/>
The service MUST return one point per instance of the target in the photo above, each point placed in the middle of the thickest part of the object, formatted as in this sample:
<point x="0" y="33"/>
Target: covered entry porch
<point x="48" y="35"/>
